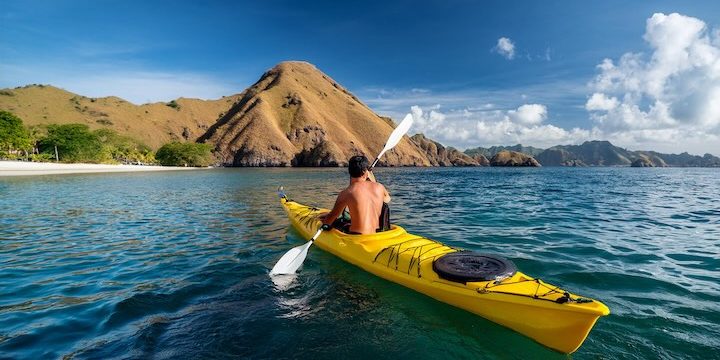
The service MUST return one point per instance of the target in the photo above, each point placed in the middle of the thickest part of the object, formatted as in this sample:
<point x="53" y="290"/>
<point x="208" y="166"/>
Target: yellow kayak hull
<point x="522" y="303"/>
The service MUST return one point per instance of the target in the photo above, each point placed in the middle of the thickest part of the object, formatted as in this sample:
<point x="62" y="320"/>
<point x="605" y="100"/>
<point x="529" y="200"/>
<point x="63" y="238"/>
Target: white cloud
<point x="670" y="96"/>
<point x="528" y="114"/>
<point x="599" y="101"/>
<point x="505" y="47"/>
<point x="470" y="128"/>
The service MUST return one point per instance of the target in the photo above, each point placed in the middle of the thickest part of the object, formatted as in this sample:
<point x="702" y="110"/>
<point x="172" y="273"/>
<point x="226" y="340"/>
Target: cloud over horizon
<point x="486" y="126"/>
<point x="670" y="95"/>
<point x="667" y="100"/>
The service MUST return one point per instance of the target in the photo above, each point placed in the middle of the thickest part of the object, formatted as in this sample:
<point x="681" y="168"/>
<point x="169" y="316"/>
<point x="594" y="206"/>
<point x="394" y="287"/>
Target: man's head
<point x="358" y="165"/>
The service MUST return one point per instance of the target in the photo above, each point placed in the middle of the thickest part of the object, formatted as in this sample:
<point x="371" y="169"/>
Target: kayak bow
<point x="547" y="314"/>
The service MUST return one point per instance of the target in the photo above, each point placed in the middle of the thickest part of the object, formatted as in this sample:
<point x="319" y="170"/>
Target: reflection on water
<point x="176" y="265"/>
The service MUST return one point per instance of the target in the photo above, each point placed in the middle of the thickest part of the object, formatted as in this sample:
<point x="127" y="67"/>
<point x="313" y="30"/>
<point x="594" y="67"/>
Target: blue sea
<point x="174" y="265"/>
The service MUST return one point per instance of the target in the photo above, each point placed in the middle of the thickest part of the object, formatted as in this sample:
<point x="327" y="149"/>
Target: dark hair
<point x="357" y="165"/>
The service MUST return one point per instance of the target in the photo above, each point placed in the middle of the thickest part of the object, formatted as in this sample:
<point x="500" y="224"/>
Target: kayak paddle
<point x="395" y="137"/>
<point x="294" y="258"/>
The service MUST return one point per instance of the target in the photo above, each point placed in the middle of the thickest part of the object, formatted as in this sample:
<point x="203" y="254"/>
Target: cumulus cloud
<point x="505" y="47"/>
<point x="669" y="95"/>
<point x="472" y="127"/>
<point x="528" y="114"/>
<point x="600" y="101"/>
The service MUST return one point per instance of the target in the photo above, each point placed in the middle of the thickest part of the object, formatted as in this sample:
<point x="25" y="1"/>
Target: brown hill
<point x="439" y="155"/>
<point x="154" y="124"/>
<point x="293" y="116"/>
<point x="513" y="158"/>
<point x="296" y="115"/>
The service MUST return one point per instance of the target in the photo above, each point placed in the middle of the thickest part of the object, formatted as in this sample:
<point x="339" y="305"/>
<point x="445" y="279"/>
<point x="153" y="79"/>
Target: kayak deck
<point x="549" y="315"/>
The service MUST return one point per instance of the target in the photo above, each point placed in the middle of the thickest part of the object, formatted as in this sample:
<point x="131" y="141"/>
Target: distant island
<point x="601" y="153"/>
<point x="294" y="115"/>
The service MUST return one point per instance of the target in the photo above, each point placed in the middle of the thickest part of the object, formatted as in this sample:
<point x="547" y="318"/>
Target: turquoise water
<point x="174" y="265"/>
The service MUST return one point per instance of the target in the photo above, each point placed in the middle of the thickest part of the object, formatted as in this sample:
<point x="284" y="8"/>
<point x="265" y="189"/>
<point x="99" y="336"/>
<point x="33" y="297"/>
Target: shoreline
<point x="26" y="168"/>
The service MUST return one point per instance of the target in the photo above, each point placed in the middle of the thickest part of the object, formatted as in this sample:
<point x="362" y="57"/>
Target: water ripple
<point x="175" y="265"/>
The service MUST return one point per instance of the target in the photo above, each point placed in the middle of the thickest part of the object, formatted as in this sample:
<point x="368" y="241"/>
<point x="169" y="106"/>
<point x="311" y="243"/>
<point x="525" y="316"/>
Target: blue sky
<point x="438" y="59"/>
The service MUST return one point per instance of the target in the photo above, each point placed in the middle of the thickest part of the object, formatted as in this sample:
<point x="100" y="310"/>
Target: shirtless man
<point x="363" y="198"/>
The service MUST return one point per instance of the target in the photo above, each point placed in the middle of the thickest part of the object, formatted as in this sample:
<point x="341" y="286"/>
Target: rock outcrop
<point x="481" y="160"/>
<point x="297" y="116"/>
<point x="439" y="155"/>
<point x="558" y="157"/>
<point x="642" y="162"/>
<point x="491" y="151"/>
<point x="512" y="158"/>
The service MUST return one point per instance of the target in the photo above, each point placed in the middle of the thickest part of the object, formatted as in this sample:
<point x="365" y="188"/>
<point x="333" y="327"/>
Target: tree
<point x="184" y="154"/>
<point x="75" y="143"/>
<point x="123" y="148"/>
<point x="13" y="135"/>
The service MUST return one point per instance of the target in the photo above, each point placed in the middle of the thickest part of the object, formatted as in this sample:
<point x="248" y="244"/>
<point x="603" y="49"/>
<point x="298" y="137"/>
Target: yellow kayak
<point x="530" y="306"/>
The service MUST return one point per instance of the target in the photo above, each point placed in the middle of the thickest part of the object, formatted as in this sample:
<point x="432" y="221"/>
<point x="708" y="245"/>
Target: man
<point x="364" y="198"/>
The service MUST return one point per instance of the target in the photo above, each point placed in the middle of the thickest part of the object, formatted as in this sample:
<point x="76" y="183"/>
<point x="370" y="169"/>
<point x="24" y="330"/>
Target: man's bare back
<point x="364" y="199"/>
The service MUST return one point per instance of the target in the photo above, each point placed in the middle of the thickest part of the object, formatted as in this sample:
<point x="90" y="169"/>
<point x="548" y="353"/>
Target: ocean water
<point x="174" y="265"/>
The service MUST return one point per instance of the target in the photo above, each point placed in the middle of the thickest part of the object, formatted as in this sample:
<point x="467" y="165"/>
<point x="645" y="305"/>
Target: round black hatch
<point x="468" y="266"/>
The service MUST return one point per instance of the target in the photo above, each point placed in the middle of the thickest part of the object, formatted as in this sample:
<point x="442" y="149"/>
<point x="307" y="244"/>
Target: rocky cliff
<point x="603" y="153"/>
<point x="439" y="155"/>
<point x="512" y="158"/>
<point x="491" y="151"/>
<point x="295" y="115"/>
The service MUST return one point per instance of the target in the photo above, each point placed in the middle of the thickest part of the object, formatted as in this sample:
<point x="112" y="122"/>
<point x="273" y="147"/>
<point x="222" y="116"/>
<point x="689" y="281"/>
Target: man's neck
<point x="358" y="179"/>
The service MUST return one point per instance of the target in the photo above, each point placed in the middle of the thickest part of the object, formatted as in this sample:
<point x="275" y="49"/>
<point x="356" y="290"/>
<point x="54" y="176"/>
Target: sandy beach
<point x="23" y="168"/>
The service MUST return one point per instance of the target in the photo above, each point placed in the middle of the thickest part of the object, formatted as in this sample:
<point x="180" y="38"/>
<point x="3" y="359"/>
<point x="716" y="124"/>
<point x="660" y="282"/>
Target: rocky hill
<point x="559" y="157"/>
<point x="153" y="124"/>
<point x="603" y="153"/>
<point x="439" y="155"/>
<point x="684" y="159"/>
<point x="295" y="115"/>
<point x="599" y="153"/>
<point x="491" y="151"/>
<point x="512" y="158"/>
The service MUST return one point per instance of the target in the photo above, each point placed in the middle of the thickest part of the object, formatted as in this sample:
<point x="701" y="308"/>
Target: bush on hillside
<point x="184" y="154"/>
<point x="13" y="135"/>
<point x="173" y="104"/>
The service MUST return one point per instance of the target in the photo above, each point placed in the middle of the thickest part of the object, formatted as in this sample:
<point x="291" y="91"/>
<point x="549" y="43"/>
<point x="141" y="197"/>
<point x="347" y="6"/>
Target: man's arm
<point x="386" y="194"/>
<point x="336" y="210"/>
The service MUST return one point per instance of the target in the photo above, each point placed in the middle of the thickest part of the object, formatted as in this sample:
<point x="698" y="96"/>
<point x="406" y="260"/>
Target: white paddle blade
<point x="292" y="260"/>
<point x="397" y="134"/>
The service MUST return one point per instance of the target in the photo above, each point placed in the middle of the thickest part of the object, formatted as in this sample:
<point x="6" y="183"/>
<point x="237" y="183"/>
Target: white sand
<point x="22" y="168"/>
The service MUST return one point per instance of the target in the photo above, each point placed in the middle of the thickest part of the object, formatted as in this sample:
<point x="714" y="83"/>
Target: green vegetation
<point x="124" y="149"/>
<point x="184" y="154"/>
<point x="173" y="104"/>
<point x="77" y="143"/>
<point x="74" y="142"/>
<point x="13" y="135"/>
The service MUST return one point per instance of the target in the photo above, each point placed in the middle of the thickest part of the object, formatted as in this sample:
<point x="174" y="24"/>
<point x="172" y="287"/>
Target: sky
<point x="643" y="74"/>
